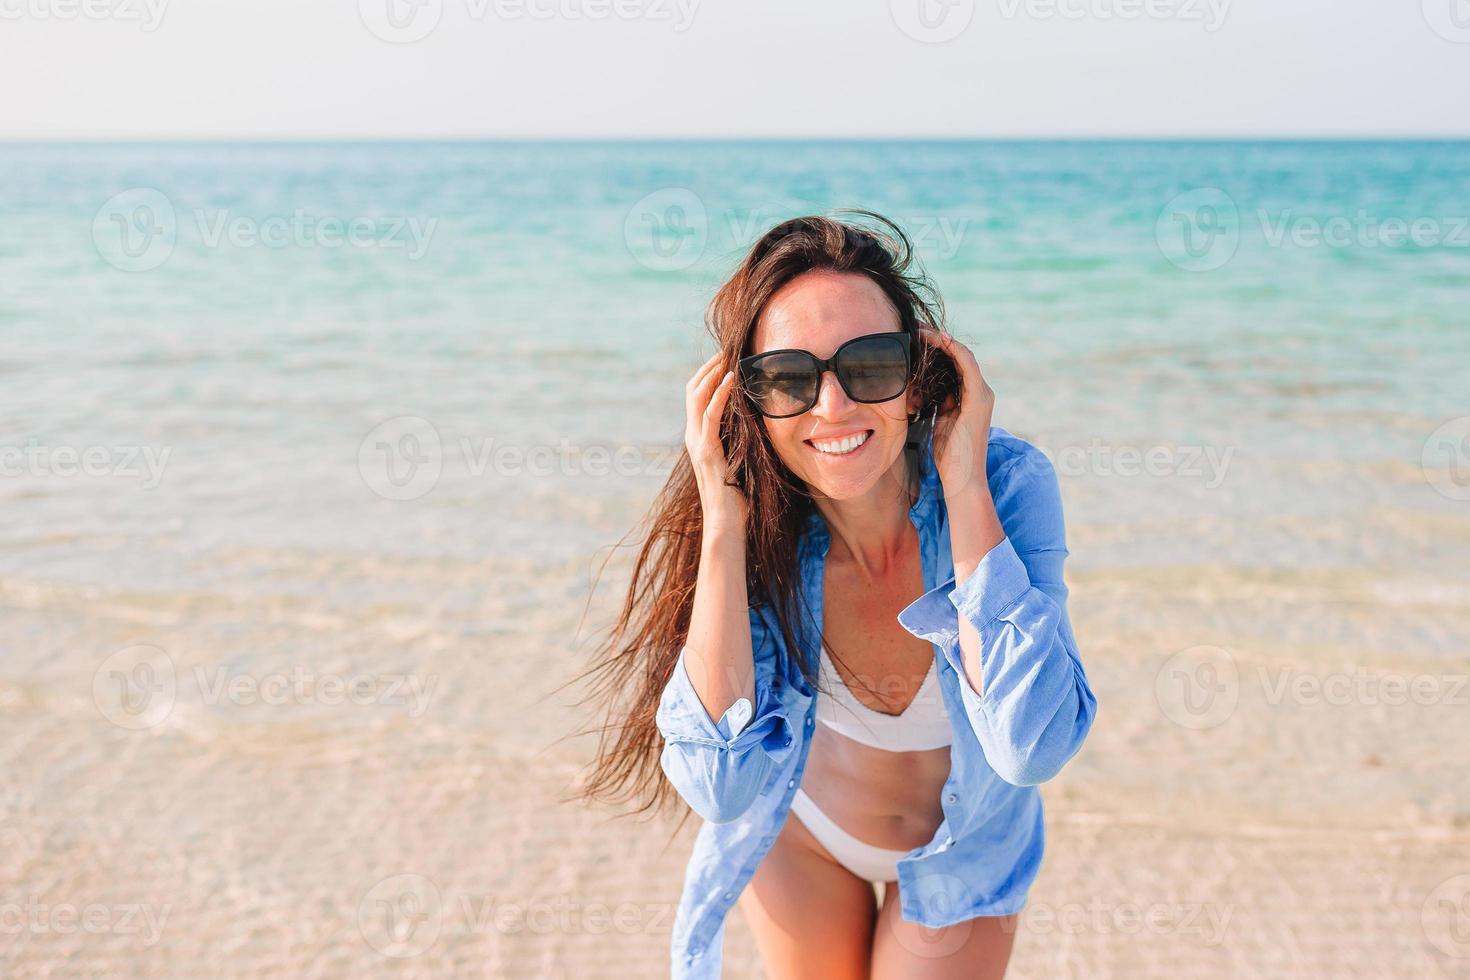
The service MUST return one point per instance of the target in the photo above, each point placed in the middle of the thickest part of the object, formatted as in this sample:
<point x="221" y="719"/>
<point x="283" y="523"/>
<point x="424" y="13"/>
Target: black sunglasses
<point x="871" y="368"/>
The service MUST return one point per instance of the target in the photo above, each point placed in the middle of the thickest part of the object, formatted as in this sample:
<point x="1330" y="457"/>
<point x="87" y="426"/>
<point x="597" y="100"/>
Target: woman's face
<point x="840" y="448"/>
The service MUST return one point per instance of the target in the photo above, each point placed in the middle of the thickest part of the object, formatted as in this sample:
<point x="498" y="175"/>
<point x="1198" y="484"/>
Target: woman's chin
<point x="837" y="490"/>
<point x="841" y="480"/>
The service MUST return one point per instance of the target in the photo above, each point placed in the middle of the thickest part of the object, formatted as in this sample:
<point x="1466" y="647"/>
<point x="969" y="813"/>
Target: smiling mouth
<point x="845" y="446"/>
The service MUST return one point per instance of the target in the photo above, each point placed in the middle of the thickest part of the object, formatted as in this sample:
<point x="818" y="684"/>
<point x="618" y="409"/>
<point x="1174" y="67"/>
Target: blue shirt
<point x="740" y="773"/>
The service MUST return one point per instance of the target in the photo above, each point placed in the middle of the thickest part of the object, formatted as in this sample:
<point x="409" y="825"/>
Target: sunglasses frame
<point x="904" y="338"/>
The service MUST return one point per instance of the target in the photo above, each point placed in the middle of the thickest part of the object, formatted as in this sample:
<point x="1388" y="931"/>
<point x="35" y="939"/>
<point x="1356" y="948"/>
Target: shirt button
<point x="695" y="950"/>
<point x="790" y="784"/>
<point x="729" y="896"/>
<point x="808" y="721"/>
<point x="951" y="798"/>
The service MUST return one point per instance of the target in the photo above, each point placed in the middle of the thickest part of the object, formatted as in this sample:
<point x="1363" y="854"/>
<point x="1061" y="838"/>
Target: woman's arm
<point x="719" y="767"/>
<point x="717" y="649"/>
<point x="1023" y="685"/>
<point x="974" y="532"/>
<point x="712" y="763"/>
<point x="1024" y="689"/>
<point x="717" y="654"/>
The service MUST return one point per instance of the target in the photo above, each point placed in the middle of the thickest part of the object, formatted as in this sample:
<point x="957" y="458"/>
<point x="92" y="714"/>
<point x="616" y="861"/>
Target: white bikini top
<point x="924" y="724"/>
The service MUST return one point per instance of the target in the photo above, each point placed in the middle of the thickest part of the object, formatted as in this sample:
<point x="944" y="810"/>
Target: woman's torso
<point x="886" y="798"/>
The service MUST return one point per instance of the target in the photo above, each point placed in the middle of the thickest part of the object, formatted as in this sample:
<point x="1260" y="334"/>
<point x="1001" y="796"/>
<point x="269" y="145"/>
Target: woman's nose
<point x="832" y="401"/>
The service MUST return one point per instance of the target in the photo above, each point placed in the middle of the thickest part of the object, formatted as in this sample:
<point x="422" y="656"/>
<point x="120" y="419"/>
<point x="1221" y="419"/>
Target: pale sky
<point x="295" y="69"/>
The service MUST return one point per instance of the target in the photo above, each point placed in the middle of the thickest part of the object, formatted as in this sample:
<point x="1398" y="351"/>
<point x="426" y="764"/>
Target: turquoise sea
<point x="379" y="409"/>
<point x="534" y="291"/>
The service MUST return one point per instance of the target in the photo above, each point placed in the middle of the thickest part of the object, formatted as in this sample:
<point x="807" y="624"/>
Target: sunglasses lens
<point x="875" y="369"/>
<point x="783" y="383"/>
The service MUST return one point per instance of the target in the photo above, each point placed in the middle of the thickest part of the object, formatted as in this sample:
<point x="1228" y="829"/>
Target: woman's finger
<point x="703" y="371"/>
<point x="697" y="396"/>
<point x="715" y="409"/>
<point x="707" y="388"/>
<point x="945" y="340"/>
<point x="959" y="352"/>
<point x="703" y="404"/>
<point x="695" y="401"/>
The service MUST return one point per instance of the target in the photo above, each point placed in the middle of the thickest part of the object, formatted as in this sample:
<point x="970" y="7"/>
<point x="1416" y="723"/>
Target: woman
<point x="849" y="609"/>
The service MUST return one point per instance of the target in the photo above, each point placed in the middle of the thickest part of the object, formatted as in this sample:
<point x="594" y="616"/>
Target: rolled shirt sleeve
<point x="719" y="767"/>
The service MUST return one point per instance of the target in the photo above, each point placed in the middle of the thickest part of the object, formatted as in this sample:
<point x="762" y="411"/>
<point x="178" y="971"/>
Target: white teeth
<point x="839" y="446"/>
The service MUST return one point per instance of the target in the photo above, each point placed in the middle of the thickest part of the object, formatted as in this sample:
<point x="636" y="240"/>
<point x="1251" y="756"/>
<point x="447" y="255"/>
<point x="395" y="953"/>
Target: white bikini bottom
<point x="864" y="860"/>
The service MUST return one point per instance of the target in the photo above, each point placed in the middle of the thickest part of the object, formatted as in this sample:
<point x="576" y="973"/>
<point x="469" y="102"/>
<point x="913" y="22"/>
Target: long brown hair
<point x="632" y="666"/>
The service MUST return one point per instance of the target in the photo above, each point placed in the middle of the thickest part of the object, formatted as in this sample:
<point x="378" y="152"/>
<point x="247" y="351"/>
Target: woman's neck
<point x="871" y="531"/>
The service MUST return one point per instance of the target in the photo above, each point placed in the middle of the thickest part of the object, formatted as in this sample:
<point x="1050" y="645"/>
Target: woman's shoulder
<point x="1023" y="485"/>
<point x="1009" y="457"/>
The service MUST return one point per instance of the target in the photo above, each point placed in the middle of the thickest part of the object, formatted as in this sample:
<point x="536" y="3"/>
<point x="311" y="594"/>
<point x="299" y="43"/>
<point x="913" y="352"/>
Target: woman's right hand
<point x="705" y="398"/>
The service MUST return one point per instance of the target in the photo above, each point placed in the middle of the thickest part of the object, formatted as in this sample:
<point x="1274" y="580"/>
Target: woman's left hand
<point x="962" y="433"/>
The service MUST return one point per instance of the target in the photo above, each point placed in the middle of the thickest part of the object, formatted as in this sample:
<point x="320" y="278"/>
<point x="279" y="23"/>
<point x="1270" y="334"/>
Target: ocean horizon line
<point x="744" y="140"/>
